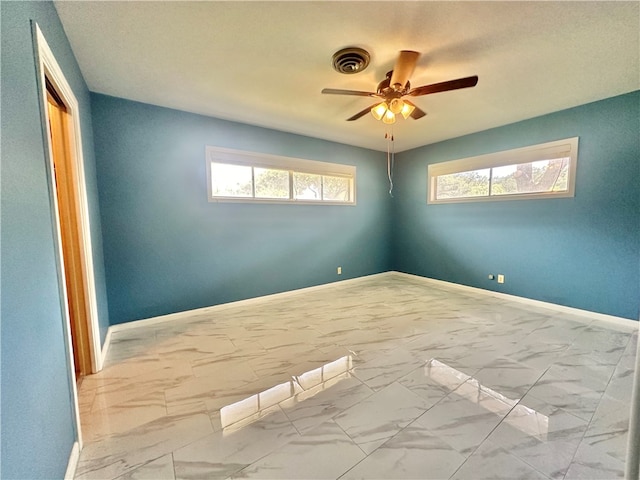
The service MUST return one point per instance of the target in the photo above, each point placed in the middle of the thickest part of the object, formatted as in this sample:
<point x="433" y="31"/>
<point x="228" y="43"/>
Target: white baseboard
<point x="74" y="456"/>
<point x="105" y="347"/>
<point x="623" y="322"/>
<point x="249" y="301"/>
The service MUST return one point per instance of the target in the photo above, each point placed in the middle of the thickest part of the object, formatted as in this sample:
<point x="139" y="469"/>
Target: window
<point x="237" y="176"/>
<point x="540" y="171"/>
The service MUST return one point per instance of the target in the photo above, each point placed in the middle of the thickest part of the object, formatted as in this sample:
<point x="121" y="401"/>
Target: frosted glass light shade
<point x="407" y="109"/>
<point x="389" y="117"/>
<point x="396" y="105"/>
<point x="379" y="110"/>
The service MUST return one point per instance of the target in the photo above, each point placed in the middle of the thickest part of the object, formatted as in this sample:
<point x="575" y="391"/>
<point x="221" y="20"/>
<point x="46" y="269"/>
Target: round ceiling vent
<point x="350" y="60"/>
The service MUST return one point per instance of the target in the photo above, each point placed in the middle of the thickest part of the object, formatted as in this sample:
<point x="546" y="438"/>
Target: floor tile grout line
<point x="500" y="423"/>
<point x="584" y="434"/>
<point x="173" y="464"/>
<point x="272" y="451"/>
<point x="353" y="440"/>
<point x="335" y="414"/>
<point x="568" y="413"/>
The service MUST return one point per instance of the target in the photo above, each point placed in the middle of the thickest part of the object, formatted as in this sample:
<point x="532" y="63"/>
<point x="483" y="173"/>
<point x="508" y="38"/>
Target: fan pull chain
<point x="390" y="159"/>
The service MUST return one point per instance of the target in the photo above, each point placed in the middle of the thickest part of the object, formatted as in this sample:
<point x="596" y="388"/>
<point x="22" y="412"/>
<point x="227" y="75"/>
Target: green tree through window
<point x="545" y="170"/>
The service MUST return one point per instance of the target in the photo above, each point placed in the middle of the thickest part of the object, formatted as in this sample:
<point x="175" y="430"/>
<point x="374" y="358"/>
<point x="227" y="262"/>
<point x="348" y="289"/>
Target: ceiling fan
<point x="396" y="85"/>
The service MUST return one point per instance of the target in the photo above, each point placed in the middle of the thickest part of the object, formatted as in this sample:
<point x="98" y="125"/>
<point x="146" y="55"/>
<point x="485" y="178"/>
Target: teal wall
<point x="582" y="252"/>
<point x="168" y="249"/>
<point x="37" y="417"/>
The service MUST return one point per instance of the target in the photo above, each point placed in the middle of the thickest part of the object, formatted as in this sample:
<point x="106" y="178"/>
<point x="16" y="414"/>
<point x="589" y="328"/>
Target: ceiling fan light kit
<point x="395" y="86"/>
<point x="389" y="117"/>
<point x="379" y="110"/>
<point x="387" y="111"/>
<point x="395" y="105"/>
<point x="407" y="109"/>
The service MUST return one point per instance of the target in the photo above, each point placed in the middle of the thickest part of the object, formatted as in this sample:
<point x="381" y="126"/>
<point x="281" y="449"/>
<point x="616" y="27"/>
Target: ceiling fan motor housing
<point x="386" y="90"/>
<point x="351" y="60"/>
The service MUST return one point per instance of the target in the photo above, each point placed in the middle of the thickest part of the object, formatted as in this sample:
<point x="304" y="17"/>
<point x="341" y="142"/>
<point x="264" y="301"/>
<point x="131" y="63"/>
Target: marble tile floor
<point x="386" y="377"/>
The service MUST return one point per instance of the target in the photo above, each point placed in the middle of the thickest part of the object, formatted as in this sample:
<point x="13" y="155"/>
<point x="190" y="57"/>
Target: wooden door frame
<point x="48" y="67"/>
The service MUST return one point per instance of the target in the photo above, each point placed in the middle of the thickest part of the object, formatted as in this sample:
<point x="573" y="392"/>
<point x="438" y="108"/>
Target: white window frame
<point x="560" y="148"/>
<point x="292" y="165"/>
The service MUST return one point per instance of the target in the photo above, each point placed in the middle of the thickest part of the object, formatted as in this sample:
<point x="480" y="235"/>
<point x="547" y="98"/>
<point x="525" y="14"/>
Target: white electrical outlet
<point x="500" y="278"/>
<point x="339" y="270"/>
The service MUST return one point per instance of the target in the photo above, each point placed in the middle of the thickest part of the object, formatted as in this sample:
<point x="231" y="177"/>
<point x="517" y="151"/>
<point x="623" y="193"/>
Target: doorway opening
<point x="60" y="115"/>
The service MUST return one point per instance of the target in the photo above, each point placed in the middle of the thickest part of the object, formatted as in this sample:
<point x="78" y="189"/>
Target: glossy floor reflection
<point x="387" y="377"/>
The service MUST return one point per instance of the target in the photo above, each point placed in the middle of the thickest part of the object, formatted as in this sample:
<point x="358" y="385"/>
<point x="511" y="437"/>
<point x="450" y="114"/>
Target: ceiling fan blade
<point x="445" y="86"/>
<point x="337" y="91"/>
<point x="405" y="65"/>
<point x="360" y="114"/>
<point x="417" y="111"/>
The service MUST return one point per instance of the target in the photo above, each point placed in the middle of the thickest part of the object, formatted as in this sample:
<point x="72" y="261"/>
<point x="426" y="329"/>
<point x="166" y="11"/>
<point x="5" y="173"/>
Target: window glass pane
<point x="271" y="183"/>
<point x="532" y="177"/>
<point x="307" y="186"/>
<point x="230" y="180"/>
<point x="546" y="170"/>
<point x="237" y="176"/>
<point x="335" y="189"/>
<point x="463" y="184"/>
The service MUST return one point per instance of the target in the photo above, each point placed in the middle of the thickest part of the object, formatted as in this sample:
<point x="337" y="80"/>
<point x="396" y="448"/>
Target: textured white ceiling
<point x="265" y="63"/>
